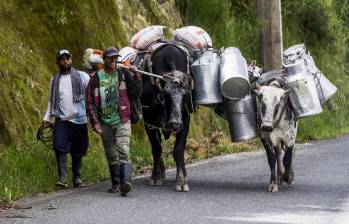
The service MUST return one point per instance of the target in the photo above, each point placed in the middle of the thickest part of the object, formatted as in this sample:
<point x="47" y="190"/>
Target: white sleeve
<point x="84" y="78"/>
<point x="48" y="114"/>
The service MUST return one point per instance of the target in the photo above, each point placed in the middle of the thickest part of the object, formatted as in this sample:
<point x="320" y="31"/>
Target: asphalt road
<point x="227" y="189"/>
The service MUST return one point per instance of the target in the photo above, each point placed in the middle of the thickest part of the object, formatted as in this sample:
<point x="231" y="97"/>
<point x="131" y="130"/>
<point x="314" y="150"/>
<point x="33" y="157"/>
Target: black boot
<point x="62" y="169"/>
<point x="125" y="178"/>
<point x="76" y="168"/>
<point x="114" y="175"/>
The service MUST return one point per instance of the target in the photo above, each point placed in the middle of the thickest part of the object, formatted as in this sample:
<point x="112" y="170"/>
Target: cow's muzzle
<point x="174" y="126"/>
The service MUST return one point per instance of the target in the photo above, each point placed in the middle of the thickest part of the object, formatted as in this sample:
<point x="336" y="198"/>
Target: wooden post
<point x="270" y="34"/>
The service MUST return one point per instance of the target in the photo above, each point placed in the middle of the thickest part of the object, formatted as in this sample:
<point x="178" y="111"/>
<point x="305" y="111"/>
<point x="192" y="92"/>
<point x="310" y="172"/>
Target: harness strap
<point x="282" y="112"/>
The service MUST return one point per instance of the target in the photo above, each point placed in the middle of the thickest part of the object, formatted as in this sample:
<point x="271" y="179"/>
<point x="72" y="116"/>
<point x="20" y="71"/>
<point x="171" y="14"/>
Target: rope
<point x="153" y="127"/>
<point x="45" y="135"/>
<point x="318" y="79"/>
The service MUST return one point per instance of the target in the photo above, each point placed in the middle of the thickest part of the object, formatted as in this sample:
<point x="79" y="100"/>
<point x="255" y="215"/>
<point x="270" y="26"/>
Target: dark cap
<point x="110" y="52"/>
<point x="63" y="52"/>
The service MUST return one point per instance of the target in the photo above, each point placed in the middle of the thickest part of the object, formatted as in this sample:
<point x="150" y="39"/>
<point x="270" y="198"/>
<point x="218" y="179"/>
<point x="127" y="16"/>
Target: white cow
<point x="278" y="129"/>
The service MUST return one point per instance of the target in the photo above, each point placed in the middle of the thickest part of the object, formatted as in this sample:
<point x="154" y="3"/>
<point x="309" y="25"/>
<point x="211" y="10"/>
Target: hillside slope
<point x="31" y="32"/>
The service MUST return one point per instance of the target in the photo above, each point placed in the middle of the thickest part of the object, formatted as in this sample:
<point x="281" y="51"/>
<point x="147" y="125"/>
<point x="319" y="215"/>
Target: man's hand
<point x="97" y="128"/>
<point x="133" y="69"/>
<point x="46" y="124"/>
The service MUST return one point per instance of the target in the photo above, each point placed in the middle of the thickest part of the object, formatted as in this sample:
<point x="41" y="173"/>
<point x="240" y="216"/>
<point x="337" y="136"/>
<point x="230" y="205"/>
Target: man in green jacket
<point x="110" y="96"/>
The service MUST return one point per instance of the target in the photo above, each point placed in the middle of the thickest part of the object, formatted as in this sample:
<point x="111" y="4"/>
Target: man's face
<point x="64" y="63"/>
<point x="110" y="62"/>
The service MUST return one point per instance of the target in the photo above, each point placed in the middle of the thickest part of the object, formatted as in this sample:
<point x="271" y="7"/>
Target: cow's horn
<point x="192" y="84"/>
<point x="258" y="86"/>
<point x="158" y="84"/>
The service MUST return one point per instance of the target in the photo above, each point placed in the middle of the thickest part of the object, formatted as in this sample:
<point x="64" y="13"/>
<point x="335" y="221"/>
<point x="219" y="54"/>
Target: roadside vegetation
<point x="30" y="34"/>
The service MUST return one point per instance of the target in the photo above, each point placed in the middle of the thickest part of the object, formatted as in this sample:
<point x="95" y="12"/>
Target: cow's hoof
<point x="291" y="181"/>
<point x="273" y="188"/>
<point x="155" y="182"/>
<point x="288" y="179"/>
<point x="158" y="182"/>
<point x="184" y="188"/>
<point x="178" y="187"/>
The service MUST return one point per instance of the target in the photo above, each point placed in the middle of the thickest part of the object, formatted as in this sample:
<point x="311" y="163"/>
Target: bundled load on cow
<point x="192" y="37"/>
<point x="128" y="54"/>
<point x="325" y="89"/>
<point x="145" y="37"/>
<point x="234" y="80"/>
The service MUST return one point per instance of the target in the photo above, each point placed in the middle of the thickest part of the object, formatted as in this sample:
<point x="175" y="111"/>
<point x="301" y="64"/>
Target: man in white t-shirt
<point x="67" y="105"/>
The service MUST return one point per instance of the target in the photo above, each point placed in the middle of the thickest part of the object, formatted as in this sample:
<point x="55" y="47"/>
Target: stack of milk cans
<point x="222" y="79"/>
<point x="310" y="89"/>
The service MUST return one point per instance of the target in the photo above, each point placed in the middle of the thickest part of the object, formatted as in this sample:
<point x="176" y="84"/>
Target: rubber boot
<point x="114" y="176"/>
<point x="125" y="178"/>
<point x="62" y="169"/>
<point x="76" y="168"/>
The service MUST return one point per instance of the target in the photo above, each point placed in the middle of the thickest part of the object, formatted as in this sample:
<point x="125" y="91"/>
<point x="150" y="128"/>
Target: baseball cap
<point x="63" y="52"/>
<point x="110" y="52"/>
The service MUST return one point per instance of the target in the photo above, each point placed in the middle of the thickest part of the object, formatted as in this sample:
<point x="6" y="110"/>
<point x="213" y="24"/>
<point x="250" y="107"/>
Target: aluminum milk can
<point x="303" y="94"/>
<point x="234" y="80"/>
<point x="205" y="72"/>
<point x="294" y="54"/>
<point x="324" y="87"/>
<point x="241" y="117"/>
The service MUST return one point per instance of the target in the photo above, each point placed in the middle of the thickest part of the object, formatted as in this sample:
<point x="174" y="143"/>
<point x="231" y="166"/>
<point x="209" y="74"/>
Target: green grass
<point x="30" y="169"/>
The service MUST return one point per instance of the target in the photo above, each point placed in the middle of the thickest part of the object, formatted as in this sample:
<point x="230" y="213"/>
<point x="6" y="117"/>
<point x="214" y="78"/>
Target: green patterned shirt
<point x="109" y="97"/>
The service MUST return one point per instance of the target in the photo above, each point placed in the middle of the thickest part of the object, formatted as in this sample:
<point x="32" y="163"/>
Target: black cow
<point x="167" y="105"/>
